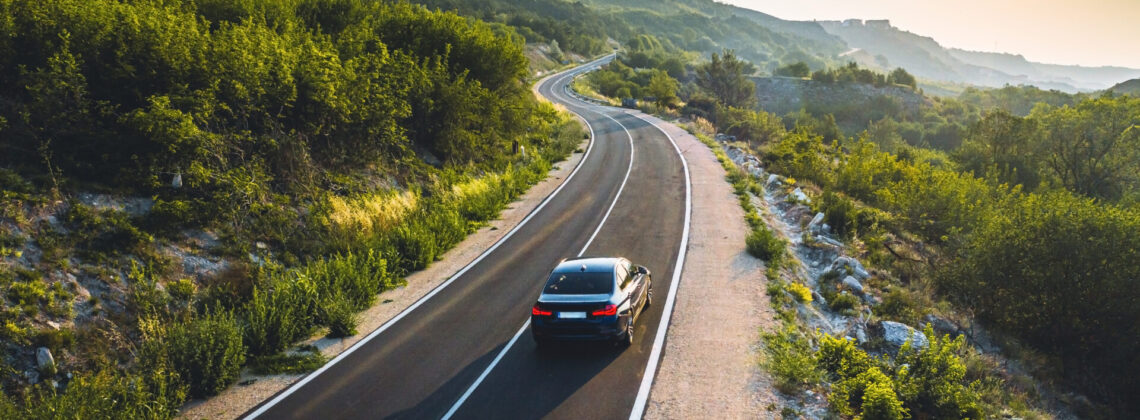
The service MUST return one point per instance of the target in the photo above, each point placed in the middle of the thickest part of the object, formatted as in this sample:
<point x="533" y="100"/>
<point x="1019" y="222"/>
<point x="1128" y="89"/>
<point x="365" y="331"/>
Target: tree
<point x="664" y="89"/>
<point x="725" y="76"/>
<point x="1093" y="148"/>
<point x="901" y="77"/>
<point x="799" y="69"/>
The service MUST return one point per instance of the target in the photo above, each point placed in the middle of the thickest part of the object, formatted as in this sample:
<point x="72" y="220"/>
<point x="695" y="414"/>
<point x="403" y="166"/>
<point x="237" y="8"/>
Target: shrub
<point x="931" y="380"/>
<point x="843" y="303"/>
<point x="104" y="395"/>
<point x="359" y="276"/>
<point x="182" y="290"/>
<point x="762" y="243"/>
<point x="283" y="309"/>
<point x="839" y="357"/>
<point x="207" y="352"/>
<point x="800" y="292"/>
<point x="867" y="394"/>
<point x="791" y="360"/>
<point x="340" y="317"/>
<point x="900" y="305"/>
<point x="881" y="402"/>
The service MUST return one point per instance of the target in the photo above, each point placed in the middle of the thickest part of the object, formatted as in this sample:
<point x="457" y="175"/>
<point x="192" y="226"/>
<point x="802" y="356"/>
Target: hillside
<point x="705" y="26"/>
<point x="928" y="59"/>
<point x="1131" y="87"/>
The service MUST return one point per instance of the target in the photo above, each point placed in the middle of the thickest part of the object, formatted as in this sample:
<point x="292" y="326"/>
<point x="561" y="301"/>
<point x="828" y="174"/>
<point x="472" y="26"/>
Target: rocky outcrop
<point x="895" y="334"/>
<point x="852" y="266"/>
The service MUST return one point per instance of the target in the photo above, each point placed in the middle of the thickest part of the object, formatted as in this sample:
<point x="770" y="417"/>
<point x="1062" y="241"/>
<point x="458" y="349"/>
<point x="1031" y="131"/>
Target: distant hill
<point x="926" y="58"/>
<point x="707" y="26"/>
<point x="1131" y="87"/>
<point x="1084" y="78"/>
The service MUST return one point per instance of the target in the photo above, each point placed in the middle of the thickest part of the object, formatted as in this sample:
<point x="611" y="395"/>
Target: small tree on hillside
<point x="799" y="69"/>
<point x="664" y="88"/>
<point x="726" y="78"/>
<point x="901" y="77"/>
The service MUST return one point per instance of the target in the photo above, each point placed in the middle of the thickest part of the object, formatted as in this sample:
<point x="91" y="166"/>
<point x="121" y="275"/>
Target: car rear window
<point x="580" y="284"/>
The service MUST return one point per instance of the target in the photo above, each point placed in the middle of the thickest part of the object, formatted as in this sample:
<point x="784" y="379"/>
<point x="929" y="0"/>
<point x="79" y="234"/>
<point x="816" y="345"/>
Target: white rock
<point x="856" y="268"/>
<point x="773" y="178"/>
<point x="799" y="195"/>
<point x="44" y="358"/>
<point x="861" y="333"/>
<point x="850" y="283"/>
<point x="896" y="334"/>
<point x="815" y="221"/>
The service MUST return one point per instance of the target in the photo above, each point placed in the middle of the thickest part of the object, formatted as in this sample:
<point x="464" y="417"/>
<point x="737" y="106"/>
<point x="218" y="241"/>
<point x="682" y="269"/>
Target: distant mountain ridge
<point x="926" y="58"/>
<point x="1131" y="87"/>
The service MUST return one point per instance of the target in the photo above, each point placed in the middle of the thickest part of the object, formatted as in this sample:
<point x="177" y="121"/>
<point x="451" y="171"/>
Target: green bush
<point x="762" y="243"/>
<point x="103" y="395"/>
<point x="840" y="358"/>
<point x="881" y="402"/>
<point x="931" y="380"/>
<point x="867" y="394"/>
<point x="207" y="352"/>
<point x="791" y="360"/>
<point x="282" y="310"/>
<point x="359" y="277"/>
<point x="844" y="303"/>
<point x="340" y="316"/>
<point x="900" y="305"/>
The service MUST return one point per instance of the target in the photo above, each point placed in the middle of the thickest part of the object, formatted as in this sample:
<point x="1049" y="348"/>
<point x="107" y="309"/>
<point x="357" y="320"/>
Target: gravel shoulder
<point x="253" y="389"/>
<point x="709" y="365"/>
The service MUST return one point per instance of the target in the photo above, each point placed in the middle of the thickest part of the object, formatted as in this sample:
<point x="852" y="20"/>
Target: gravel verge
<point x="709" y="366"/>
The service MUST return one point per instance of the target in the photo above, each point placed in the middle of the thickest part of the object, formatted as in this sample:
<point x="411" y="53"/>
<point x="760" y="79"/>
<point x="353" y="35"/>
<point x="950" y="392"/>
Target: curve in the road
<point x="458" y="346"/>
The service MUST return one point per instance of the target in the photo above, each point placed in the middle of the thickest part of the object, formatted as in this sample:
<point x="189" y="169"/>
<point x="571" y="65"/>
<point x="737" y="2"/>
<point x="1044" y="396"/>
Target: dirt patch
<point x="257" y="388"/>
<point x="709" y="366"/>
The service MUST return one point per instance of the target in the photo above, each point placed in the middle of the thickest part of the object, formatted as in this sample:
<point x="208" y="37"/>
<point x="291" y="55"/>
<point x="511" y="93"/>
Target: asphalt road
<point x="463" y="351"/>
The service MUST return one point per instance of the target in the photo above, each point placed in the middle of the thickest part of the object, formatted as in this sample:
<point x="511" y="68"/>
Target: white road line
<point x="296" y="386"/>
<point x="487" y="371"/>
<point x="663" y="327"/>
<point x="471" y="389"/>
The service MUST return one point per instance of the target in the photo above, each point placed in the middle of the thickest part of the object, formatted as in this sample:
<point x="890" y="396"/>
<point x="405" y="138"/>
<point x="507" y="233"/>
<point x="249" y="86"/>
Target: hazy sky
<point x="1088" y="32"/>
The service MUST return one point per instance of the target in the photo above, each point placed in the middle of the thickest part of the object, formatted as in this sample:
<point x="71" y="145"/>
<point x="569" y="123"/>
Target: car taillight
<point x="539" y="312"/>
<point x="608" y="310"/>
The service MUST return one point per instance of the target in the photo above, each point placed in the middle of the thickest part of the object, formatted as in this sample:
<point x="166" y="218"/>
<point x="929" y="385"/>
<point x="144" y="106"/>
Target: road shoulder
<point x="709" y="366"/>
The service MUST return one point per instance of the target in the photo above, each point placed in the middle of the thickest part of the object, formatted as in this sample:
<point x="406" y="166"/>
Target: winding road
<point x="464" y="350"/>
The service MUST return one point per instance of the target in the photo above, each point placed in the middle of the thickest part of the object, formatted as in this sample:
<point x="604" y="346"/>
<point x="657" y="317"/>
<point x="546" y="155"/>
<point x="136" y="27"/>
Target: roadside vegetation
<point x="309" y="153"/>
<point x="1014" y="256"/>
<point x="993" y="230"/>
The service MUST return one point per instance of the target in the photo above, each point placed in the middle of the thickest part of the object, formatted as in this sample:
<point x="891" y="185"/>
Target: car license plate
<point x="572" y="315"/>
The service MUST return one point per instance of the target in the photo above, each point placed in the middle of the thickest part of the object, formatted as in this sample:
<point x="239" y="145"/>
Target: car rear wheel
<point x="649" y="295"/>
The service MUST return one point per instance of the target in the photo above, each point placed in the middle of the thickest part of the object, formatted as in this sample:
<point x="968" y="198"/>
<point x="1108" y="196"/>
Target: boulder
<point x="799" y="195"/>
<point x="772" y="179"/>
<point x="857" y="269"/>
<point x="861" y="334"/>
<point x="897" y="333"/>
<point x="815" y="222"/>
<point x="941" y="325"/>
<point x="852" y="284"/>
<point x="44" y="360"/>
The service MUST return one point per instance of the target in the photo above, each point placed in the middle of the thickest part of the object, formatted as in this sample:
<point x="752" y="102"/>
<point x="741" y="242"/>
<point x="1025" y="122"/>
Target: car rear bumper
<point x="572" y="331"/>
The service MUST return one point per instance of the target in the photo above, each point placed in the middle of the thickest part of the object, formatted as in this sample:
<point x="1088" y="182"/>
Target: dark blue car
<point x="591" y="299"/>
